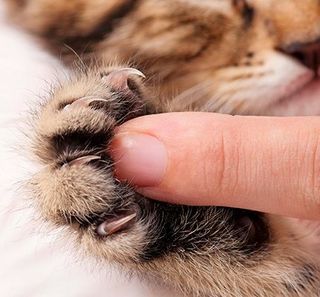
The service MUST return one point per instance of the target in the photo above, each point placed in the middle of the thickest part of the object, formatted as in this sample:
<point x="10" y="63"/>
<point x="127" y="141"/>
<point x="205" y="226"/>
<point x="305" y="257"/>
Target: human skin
<point x="269" y="164"/>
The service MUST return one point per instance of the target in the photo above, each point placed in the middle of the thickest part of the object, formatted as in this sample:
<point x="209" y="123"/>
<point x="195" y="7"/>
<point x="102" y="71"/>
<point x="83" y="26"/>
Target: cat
<point x="150" y="56"/>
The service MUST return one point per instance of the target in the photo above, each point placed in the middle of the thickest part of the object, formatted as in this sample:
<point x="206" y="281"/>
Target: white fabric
<point x="33" y="262"/>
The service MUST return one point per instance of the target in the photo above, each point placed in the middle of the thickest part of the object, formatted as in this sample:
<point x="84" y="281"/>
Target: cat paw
<point x="76" y="186"/>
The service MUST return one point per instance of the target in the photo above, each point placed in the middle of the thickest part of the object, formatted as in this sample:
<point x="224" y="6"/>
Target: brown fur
<point x="210" y="55"/>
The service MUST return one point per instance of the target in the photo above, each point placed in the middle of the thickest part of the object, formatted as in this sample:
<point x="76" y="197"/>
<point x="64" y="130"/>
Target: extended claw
<point x="82" y="160"/>
<point x="118" y="79"/>
<point x="110" y="227"/>
<point x="84" y="102"/>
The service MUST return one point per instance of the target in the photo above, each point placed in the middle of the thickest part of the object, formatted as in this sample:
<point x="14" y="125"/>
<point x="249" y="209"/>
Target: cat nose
<point x="307" y="53"/>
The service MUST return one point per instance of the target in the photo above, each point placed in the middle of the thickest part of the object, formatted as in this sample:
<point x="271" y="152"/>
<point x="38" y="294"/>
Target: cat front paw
<point x="76" y="186"/>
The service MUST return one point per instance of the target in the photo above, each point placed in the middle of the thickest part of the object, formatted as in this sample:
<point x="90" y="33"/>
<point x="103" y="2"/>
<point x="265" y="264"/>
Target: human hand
<point x="259" y="163"/>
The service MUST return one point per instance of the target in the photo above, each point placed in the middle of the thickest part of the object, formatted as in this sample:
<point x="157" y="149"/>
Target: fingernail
<point x="140" y="159"/>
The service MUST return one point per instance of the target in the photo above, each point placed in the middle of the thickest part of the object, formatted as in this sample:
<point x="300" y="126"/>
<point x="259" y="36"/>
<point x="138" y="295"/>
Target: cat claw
<point x="118" y="79"/>
<point x="110" y="227"/>
<point x="82" y="160"/>
<point x="84" y="102"/>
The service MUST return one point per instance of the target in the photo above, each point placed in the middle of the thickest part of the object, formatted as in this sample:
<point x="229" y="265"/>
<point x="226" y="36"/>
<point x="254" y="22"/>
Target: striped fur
<point x="210" y="55"/>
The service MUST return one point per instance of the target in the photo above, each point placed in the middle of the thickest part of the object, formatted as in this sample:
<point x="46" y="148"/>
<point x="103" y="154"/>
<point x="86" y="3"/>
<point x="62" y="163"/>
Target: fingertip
<point x="140" y="159"/>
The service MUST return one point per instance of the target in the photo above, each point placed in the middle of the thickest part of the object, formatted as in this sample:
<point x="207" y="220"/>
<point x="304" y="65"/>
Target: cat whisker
<point x="82" y="65"/>
<point x="193" y="95"/>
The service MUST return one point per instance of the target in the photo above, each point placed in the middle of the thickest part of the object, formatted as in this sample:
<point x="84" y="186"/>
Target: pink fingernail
<point x="140" y="159"/>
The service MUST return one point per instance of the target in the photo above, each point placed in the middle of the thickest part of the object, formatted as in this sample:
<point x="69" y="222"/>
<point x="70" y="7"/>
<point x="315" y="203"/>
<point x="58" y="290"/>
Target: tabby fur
<point x="228" y="56"/>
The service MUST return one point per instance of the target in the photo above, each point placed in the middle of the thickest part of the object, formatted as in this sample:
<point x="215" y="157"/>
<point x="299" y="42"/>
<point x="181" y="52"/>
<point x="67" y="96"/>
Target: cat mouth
<point x="305" y="97"/>
<point x="308" y="54"/>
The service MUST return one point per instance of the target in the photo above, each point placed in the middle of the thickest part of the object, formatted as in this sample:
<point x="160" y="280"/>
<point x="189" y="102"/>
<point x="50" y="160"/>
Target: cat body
<point x="237" y="57"/>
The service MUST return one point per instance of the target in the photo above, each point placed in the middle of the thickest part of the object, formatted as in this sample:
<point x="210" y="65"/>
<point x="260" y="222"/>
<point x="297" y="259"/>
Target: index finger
<point x="259" y="163"/>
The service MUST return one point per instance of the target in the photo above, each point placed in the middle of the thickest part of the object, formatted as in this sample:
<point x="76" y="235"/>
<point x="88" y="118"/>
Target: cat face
<point x="231" y="56"/>
<point x="277" y="58"/>
<point x="259" y="55"/>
